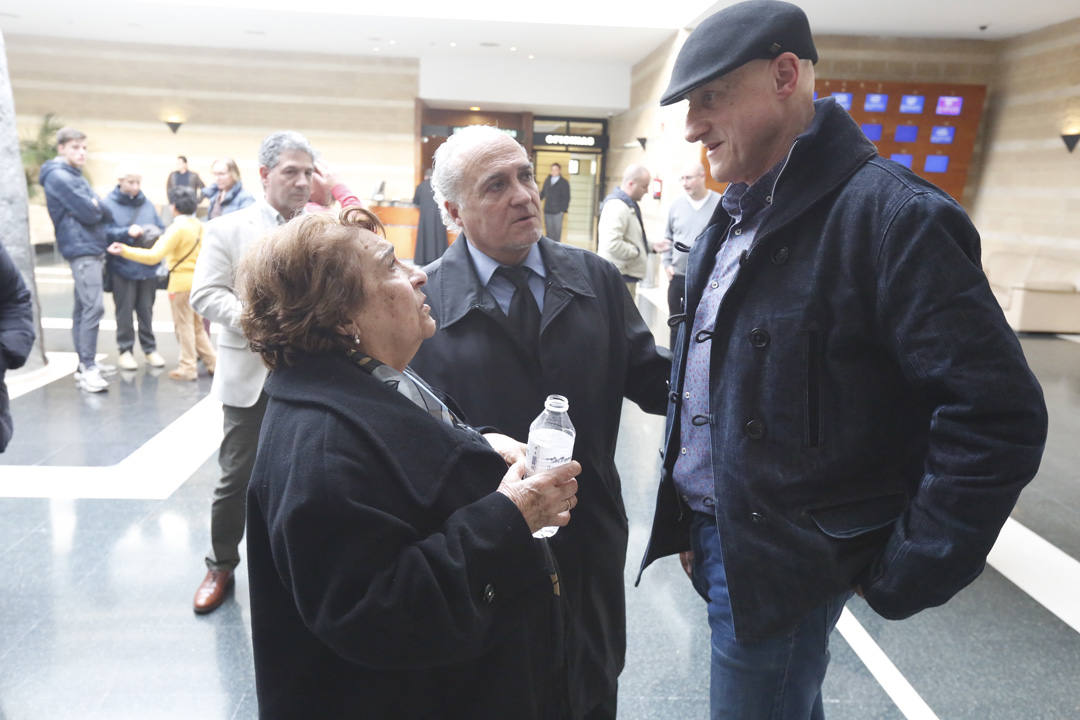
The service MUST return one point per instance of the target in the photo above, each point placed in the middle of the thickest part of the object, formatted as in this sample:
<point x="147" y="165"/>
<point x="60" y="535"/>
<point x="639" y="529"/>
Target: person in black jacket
<point x="556" y="196"/>
<point x="589" y="343"/>
<point x="392" y="569"/>
<point x="850" y="411"/>
<point x="16" y="333"/>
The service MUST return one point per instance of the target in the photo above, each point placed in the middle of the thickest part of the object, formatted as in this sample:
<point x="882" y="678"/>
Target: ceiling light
<point x="532" y="57"/>
<point x="392" y="42"/>
<point x="453" y="44"/>
<point x="513" y="49"/>
<point x="475" y="108"/>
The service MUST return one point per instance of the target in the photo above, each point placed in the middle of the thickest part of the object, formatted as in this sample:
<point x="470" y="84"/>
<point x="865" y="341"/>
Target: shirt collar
<point x="485" y="265"/>
<point x="270" y="213"/>
<point x="743" y="201"/>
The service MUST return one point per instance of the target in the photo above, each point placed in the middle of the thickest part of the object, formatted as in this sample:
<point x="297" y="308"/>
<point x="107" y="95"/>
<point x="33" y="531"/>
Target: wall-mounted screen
<point x="906" y="133"/>
<point x="901" y="158"/>
<point x="876" y="102"/>
<point x="843" y="100"/>
<point x="936" y="164"/>
<point x="872" y="131"/>
<point x="942" y="134"/>
<point x="949" y="105"/>
<point x="912" y="104"/>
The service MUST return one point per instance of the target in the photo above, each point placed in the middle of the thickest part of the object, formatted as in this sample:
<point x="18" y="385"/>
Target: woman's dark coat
<point x="388" y="578"/>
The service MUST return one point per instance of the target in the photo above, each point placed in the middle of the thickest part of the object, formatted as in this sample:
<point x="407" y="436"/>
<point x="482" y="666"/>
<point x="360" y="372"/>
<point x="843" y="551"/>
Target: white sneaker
<point x="90" y="380"/>
<point x="154" y="359"/>
<point x="127" y="361"/>
<point x="104" y="368"/>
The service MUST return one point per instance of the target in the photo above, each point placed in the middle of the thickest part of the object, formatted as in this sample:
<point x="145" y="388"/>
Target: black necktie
<point x="524" y="315"/>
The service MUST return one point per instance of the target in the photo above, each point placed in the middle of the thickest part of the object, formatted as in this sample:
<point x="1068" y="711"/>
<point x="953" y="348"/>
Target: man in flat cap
<point x="850" y="412"/>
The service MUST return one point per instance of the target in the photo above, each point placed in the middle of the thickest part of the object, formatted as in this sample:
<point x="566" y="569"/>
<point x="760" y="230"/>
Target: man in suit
<point x="286" y="165"/>
<point x="556" y="197"/>
<point x="518" y="314"/>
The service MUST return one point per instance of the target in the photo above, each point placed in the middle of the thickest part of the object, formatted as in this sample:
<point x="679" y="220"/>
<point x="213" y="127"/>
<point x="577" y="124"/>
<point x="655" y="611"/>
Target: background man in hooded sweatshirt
<point x="80" y="221"/>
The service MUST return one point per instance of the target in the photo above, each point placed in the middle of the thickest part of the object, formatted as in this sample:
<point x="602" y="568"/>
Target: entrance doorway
<point x="582" y="171"/>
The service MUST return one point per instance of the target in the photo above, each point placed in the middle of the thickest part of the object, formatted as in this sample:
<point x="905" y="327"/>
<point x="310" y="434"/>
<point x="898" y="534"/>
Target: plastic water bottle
<point x="551" y="443"/>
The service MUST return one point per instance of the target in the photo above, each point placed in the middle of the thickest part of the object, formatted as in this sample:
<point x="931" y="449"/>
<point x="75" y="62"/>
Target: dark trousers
<point x="134" y="296"/>
<point x="553" y="226"/>
<point x="229" y="508"/>
<point x="607" y="710"/>
<point x="676" y="300"/>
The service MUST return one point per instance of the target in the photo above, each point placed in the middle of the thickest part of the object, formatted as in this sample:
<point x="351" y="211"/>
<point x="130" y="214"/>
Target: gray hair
<point x="279" y="142"/>
<point x="448" y="165"/>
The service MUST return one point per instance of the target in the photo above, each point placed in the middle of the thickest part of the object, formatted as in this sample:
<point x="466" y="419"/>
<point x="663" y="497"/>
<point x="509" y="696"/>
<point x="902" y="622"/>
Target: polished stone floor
<point x="104" y="520"/>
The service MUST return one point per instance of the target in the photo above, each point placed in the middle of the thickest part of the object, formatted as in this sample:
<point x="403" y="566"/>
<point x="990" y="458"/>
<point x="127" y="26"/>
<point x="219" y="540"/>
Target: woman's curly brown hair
<point x="301" y="287"/>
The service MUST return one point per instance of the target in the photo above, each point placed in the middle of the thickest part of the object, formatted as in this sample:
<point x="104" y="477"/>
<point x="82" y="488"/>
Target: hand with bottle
<point x="545" y="498"/>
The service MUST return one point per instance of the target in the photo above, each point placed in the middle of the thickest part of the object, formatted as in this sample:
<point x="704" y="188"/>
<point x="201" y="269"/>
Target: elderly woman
<point x="393" y="573"/>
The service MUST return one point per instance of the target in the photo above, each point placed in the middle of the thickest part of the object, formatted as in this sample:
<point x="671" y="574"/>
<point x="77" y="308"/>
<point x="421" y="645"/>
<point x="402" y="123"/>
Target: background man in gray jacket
<point x="286" y="164"/>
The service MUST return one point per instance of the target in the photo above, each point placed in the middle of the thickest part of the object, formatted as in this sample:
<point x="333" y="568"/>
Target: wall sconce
<point x="1070" y="140"/>
<point x="174" y="123"/>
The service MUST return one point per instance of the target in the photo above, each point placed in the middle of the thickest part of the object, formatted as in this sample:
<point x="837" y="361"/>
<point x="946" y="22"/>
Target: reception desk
<point x="401" y="222"/>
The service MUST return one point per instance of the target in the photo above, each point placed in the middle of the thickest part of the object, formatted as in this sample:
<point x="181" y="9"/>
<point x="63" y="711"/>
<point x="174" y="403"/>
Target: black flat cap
<point x="752" y="30"/>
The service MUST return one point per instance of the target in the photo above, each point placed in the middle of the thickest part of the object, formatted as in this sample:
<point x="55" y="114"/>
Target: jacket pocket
<point x="812" y="400"/>
<point x="852" y="519"/>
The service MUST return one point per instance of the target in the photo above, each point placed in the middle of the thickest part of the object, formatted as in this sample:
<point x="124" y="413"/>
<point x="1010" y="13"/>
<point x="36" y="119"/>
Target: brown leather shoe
<point x="211" y="593"/>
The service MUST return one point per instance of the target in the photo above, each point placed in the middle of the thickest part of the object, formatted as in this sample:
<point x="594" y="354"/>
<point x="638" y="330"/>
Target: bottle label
<point x="547" y="449"/>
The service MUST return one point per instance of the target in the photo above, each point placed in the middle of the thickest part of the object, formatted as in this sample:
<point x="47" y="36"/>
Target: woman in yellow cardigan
<point x="179" y="247"/>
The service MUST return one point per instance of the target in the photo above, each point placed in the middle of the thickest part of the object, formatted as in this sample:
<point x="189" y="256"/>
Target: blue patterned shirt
<point x="748" y="207"/>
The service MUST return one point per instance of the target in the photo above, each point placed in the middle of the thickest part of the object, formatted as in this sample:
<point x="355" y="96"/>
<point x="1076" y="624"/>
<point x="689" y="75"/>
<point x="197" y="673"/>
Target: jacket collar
<point x="460" y="289"/>
<point x="821" y="159"/>
<point x="122" y="198"/>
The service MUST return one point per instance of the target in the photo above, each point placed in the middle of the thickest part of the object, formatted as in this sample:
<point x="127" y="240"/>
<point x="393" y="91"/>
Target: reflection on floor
<point x="104" y="518"/>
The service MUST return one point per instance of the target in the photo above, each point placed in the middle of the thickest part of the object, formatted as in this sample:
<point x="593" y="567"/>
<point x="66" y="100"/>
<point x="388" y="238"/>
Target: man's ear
<point x="785" y="74"/>
<point x="455" y="212"/>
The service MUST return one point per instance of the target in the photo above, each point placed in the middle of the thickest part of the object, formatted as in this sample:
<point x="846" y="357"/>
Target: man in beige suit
<point x="621" y="232"/>
<point x="286" y="164"/>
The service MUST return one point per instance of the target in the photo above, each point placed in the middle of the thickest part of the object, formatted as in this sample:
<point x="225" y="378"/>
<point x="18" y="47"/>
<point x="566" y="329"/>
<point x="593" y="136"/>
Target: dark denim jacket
<point x="873" y="416"/>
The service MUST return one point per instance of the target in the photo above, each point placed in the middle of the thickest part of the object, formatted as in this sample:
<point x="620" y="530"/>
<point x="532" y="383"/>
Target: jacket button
<point x="757" y="518"/>
<point x="780" y="255"/>
<point x="708" y="502"/>
<point x="755" y="429"/>
<point x="759" y="338"/>
<point x="673" y="397"/>
<point x="489" y="593"/>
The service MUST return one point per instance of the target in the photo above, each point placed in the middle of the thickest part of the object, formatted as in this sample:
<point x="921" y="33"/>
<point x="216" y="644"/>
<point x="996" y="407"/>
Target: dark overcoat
<point x="388" y="578"/>
<point x="16" y="333"/>
<point x="595" y="349"/>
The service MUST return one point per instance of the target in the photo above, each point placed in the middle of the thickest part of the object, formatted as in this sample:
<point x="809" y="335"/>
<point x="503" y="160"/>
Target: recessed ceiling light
<point x="375" y="49"/>
<point x="475" y="108"/>
<point x="392" y="42"/>
<point x="453" y="44"/>
<point x="532" y="57"/>
<point x="513" y="49"/>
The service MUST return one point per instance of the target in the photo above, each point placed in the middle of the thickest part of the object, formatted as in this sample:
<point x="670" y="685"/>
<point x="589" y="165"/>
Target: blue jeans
<point x="775" y="679"/>
<point x="89" y="305"/>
